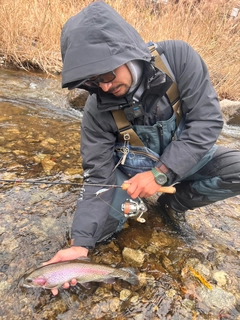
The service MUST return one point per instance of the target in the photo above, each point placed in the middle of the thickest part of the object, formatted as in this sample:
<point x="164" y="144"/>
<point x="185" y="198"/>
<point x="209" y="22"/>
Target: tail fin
<point x="132" y="275"/>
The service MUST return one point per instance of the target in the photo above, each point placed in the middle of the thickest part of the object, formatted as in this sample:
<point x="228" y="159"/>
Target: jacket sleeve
<point x="200" y="107"/>
<point x="97" y="147"/>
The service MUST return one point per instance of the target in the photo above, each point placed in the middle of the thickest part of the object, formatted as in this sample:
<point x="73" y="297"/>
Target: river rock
<point x="159" y="240"/>
<point x="125" y="294"/>
<point x="114" y="304"/>
<point x="216" y="298"/>
<point x="231" y="111"/>
<point x="220" y="277"/>
<point x="47" y="164"/>
<point x="133" y="257"/>
<point x="77" y="98"/>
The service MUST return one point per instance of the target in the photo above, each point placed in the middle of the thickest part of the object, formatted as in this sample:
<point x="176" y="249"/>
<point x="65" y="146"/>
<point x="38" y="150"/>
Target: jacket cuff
<point x="169" y="173"/>
<point x="83" y="242"/>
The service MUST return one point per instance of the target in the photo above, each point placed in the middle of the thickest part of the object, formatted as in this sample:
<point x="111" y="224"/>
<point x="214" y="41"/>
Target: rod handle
<point x="163" y="189"/>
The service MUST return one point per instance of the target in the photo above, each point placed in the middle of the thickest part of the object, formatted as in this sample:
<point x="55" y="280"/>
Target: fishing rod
<point x="62" y="183"/>
<point x="124" y="186"/>
<point x="129" y="208"/>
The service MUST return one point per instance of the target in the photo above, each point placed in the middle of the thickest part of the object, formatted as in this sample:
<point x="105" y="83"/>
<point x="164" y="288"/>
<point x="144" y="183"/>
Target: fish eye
<point x="29" y="280"/>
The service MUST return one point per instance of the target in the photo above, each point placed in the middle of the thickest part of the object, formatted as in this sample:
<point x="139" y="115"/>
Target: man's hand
<point x="65" y="255"/>
<point x="142" y="185"/>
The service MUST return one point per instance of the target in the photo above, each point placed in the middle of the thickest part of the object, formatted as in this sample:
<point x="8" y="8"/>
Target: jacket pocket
<point x="138" y="159"/>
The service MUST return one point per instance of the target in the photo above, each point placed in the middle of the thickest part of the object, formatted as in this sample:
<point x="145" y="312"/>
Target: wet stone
<point x="221" y="278"/>
<point x="114" y="304"/>
<point x="135" y="258"/>
<point x="134" y="299"/>
<point x="47" y="164"/>
<point x="217" y="298"/>
<point x="125" y="294"/>
<point x="4" y="150"/>
<point x="4" y="286"/>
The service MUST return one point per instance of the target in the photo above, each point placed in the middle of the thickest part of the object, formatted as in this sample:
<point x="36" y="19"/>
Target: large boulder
<point x="77" y="98"/>
<point x="231" y="111"/>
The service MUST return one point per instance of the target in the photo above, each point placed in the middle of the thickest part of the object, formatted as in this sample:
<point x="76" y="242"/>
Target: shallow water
<point x="39" y="139"/>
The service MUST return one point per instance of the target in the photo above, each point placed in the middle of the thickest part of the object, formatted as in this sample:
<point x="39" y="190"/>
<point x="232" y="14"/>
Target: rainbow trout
<point x="56" y="274"/>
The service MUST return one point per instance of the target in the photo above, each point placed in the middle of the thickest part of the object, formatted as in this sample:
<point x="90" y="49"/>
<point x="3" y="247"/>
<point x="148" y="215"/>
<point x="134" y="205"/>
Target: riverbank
<point x="30" y="33"/>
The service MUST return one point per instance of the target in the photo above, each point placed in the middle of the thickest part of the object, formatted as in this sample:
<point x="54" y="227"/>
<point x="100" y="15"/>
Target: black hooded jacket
<point x="98" y="40"/>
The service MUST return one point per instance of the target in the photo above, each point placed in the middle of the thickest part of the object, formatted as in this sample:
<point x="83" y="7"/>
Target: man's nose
<point x="105" y="86"/>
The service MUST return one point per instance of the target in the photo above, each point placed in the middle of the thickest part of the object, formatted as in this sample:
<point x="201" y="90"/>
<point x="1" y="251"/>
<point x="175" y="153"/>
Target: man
<point x="103" y="54"/>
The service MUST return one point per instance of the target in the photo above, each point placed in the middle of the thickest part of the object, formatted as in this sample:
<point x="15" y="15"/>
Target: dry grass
<point x="30" y="31"/>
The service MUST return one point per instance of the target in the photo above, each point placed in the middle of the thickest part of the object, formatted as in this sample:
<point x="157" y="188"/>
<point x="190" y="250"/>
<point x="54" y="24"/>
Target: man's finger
<point x="73" y="282"/>
<point x="66" y="285"/>
<point x="49" y="261"/>
<point x="54" y="292"/>
<point x="56" y="258"/>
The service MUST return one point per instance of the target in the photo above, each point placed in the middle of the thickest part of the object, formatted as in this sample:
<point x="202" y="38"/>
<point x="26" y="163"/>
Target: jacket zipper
<point x="160" y="129"/>
<point x="145" y="154"/>
<point x="141" y="153"/>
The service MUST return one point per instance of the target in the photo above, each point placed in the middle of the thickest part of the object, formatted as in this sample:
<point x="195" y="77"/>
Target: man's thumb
<point x="53" y="260"/>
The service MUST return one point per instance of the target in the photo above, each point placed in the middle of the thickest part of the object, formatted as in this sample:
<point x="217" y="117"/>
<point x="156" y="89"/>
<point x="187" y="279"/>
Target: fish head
<point x="39" y="281"/>
<point x="33" y="279"/>
<point x="29" y="282"/>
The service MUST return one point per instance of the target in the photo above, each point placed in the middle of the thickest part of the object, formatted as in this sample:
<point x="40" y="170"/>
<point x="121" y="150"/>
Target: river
<point x="39" y="140"/>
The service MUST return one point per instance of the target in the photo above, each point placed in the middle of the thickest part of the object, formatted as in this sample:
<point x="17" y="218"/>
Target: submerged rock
<point x="216" y="298"/>
<point x="135" y="258"/>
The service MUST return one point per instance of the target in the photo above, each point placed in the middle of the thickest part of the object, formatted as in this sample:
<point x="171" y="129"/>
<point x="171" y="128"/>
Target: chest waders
<point x="139" y="149"/>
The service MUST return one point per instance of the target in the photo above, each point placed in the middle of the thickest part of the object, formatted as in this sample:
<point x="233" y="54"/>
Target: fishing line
<point x="129" y="208"/>
<point x="109" y="205"/>
<point x="51" y="183"/>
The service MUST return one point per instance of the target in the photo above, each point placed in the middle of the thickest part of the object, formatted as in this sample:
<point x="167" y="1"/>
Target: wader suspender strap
<point x="126" y="132"/>
<point x="172" y="92"/>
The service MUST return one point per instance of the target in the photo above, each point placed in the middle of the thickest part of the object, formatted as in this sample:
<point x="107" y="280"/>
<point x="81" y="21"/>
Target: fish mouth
<point x="23" y="278"/>
<point x="22" y="283"/>
<point x="25" y="283"/>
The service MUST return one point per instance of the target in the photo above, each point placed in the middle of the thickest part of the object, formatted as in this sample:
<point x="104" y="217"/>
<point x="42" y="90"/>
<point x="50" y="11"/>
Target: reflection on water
<point x="39" y="139"/>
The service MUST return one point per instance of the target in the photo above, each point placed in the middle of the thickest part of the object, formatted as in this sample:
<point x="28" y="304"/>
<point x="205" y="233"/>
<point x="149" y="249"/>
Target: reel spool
<point x="131" y="208"/>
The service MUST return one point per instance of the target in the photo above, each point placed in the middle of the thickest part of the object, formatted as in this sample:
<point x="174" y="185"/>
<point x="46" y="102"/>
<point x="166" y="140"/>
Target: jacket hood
<point x="98" y="40"/>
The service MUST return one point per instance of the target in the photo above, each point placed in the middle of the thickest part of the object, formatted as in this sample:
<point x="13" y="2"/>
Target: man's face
<point x="121" y="84"/>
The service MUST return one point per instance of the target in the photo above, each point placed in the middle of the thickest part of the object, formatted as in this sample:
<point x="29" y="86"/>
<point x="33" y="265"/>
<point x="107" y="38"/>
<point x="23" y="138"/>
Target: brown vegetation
<point x="30" y="31"/>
